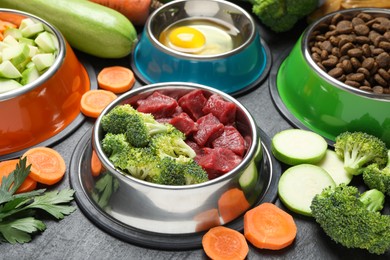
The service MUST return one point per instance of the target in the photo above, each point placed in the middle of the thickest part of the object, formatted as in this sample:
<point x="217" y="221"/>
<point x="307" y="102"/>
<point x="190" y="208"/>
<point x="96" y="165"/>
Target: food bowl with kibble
<point x="41" y="84"/>
<point x="213" y="42"/>
<point x="154" y="206"/>
<point x="337" y="76"/>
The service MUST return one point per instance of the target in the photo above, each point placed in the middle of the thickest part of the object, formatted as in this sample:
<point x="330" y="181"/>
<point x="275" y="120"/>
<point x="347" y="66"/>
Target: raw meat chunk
<point x="217" y="161"/>
<point x="192" y="103"/>
<point x="231" y="139"/>
<point x="225" y="111"/>
<point x="209" y="128"/>
<point x="184" y="123"/>
<point x="159" y="105"/>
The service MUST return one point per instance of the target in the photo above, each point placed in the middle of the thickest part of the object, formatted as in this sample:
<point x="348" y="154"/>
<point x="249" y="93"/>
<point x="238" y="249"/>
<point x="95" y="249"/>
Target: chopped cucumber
<point x="335" y="167"/>
<point x="9" y="71"/>
<point x="26" y="53"/>
<point x="43" y="61"/>
<point x="45" y="42"/>
<point x="297" y="146"/>
<point x="299" y="184"/>
<point x="8" y="85"/>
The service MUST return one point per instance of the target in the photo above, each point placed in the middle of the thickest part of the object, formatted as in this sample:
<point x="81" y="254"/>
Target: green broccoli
<point x="142" y="164"/>
<point x="116" y="147"/>
<point x="171" y="145"/>
<point x="180" y="171"/>
<point x="138" y="127"/>
<point x="358" y="150"/>
<point x="282" y="15"/>
<point x="353" y="219"/>
<point x="116" y="120"/>
<point x="378" y="178"/>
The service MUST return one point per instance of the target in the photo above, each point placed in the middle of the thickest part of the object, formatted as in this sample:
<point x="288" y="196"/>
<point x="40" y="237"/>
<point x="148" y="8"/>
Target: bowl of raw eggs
<point x="210" y="42"/>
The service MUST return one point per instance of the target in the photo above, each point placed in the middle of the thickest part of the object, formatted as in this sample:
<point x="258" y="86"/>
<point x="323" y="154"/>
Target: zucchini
<point x="87" y="26"/>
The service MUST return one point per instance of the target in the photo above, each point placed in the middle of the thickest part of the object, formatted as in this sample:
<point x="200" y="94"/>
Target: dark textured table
<point x="76" y="237"/>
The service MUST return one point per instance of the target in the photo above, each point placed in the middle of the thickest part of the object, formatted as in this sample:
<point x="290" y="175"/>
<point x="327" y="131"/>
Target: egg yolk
<point x="186" y="37"/>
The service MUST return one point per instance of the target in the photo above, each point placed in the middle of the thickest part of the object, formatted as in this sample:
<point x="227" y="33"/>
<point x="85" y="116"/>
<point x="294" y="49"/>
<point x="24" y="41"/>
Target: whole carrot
<point x="137" y="11"/>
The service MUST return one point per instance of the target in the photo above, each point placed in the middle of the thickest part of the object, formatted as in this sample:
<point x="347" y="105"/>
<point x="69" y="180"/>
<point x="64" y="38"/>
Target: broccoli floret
<point x="140" y="128"/>
<point x="142" y="164"/>
<point x="116" y="147"/>
<point x="282" y="15"/>
<point x="378" y="178"/>
<point x="116" y="120"/>
<point x="180" y="171"/>
<point x="359" y="149"/>
<point x="171" y="145"/>
<point x="353" y="219"/>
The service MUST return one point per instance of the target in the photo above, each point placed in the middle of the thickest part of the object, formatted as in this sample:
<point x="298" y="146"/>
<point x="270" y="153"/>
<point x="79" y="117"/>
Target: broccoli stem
<point x="373" y="200"/>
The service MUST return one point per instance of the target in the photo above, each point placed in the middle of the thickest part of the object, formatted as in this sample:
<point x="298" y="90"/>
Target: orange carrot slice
<point x="269" y="227"/>
<point x="116" y="79"/>
<point x="232" y="204"/>
<point x="96" y="165"/>
<point x="47" y="165"/>
<point x="6" y="167"/>
<point x="224" y="243"/>
<point x="94" y="101"/>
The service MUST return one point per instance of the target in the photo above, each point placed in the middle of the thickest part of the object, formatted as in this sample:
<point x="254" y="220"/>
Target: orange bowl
<point x="40" y="110"/>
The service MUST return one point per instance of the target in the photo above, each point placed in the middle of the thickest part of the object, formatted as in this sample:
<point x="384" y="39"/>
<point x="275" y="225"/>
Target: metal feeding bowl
<point x="42" y="109"/>
<point x="345" y="89"/>
<point x="230" y="56"/>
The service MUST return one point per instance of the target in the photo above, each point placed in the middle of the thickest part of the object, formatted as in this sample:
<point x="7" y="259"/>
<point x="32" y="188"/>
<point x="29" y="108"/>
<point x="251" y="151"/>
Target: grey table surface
<point x="76" y="237"/>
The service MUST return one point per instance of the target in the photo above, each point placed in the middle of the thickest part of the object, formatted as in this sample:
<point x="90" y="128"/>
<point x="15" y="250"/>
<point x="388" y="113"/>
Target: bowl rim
<point x="323" y="74"/>
<point x="251" y="152"/>
<point x="155" y="42"/>
<point x="60" y="57"/>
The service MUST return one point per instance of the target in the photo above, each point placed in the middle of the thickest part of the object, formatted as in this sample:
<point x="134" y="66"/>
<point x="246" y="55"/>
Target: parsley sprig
<point x="17" y="220"/>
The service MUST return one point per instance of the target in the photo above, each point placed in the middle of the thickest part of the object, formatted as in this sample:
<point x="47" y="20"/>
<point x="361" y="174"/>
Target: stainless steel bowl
<point x="181" y="209"/>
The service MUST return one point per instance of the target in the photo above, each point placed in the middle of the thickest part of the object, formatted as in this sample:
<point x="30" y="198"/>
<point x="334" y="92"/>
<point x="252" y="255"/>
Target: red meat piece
<point x="184" y="123"/>
<point x="217" y="161"/>
<point x="194" y="146"/>
<point x="209" y="128"/>
<point x="225" y="111"/>
<point x="192" y="103"/>
<point x="231" y="139"/>
<point x="159" y="105"/>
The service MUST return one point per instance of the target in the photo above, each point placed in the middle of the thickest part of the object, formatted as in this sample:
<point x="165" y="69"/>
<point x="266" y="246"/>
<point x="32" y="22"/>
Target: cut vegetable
<point x="96" y="165"/>
<point x="269" y="227"/>
<point x="232" y="204"/>
<point x="6" y="167"/>
<point x="116" y="79"/>
<point x="335" y="167"/>
<point x="299" y="184"/>
<point x="47" y="165"/>
<point x="94" y="101"/>
<point x="222" y="243"/>
<point x="249" y="178"/>
<point x="296" y="146"/>
<point x="8" y="85"/>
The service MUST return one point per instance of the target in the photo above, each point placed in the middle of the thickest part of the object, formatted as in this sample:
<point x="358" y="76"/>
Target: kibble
<point x="355" y="50"/>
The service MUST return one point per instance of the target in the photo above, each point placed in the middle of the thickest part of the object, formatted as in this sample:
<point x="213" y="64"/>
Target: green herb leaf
<point x="18" y="231"/>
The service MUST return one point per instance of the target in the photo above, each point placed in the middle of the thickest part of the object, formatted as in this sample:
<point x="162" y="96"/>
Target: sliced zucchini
<point x="335" y="167"/>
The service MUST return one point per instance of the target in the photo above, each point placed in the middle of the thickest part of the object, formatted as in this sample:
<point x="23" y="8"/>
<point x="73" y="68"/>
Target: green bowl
<point x="325" y="105"/>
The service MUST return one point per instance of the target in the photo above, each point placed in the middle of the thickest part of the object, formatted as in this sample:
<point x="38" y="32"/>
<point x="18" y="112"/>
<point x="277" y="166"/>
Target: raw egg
<point x="200" y="37"/>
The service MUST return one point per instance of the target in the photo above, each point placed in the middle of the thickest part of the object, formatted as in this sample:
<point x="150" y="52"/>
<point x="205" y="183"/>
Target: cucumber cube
<point x="32" y="29"/>
<point x="10" y="40"/>
<point x="18" y="55"/>
<point x="43" y="60"/>
<point x="29" y="75"/>
<point x="8" y="84"/>
<point x="26" y="22"/>
<point x="9" y="71"/>
<point x="45" y="42"/>
<point x="14" y="32"/>
<point x="27" y="41"/>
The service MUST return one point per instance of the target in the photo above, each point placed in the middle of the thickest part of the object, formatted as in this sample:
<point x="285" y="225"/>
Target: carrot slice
<point x="6" y="167"/>
<point x="232" y="204"/>
<point x="269" y="227"/>
<point x="96" y="165"/>
<point x="47" y="165"/>
<point x="16" y="19"/>
<point x="94" y="101"/>
<point x="116" y="79"/>
<point x="224" y="243"/>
